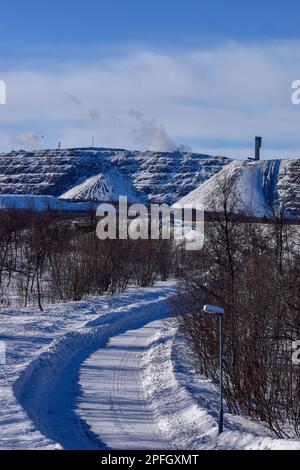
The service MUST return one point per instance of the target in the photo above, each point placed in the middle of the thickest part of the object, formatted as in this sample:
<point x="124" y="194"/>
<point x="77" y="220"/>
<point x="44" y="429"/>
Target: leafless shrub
<point x="48" y="258"/>
<point x="253" y="271"/>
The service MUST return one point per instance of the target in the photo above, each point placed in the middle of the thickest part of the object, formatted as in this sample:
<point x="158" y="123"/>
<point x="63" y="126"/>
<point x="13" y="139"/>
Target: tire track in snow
<point x="48" y="387"/>
<point x="126" y="418"/>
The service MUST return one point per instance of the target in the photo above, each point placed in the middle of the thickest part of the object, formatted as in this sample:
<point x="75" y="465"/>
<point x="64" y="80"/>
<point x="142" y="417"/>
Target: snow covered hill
<point x="102" y="187"/>
<point x="258" y="187"/>
<point x="104" y="173"/>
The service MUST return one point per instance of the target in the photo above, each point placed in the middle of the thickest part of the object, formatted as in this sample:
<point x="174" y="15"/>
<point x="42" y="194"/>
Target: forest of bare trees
<point x="48" y="258"/>
<point x="253" y="271"/>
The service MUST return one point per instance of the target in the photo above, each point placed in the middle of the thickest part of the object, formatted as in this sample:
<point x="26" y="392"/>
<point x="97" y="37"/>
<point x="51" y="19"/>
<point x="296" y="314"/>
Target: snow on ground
<point x="111" y="388"/>
<point x="110" y="373"/>
<point x="44" y="351"/>
<point x="42" y="203"/>
<point x="186" y="405"/>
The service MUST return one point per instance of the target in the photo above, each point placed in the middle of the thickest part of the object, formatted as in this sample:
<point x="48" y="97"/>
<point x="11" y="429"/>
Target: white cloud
<point x="226" y="95"/>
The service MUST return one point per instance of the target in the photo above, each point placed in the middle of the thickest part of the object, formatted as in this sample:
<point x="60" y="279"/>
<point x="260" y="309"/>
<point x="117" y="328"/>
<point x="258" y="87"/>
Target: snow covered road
<point x="113" y="401"/>
<point x="111" y="373"/>
<point x="48" y="388"/>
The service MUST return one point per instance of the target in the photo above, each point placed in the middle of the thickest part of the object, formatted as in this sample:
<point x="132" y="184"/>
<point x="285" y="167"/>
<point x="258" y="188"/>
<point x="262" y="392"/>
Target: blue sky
<point x="151" y="74"/>
<point x="165" y="22"/>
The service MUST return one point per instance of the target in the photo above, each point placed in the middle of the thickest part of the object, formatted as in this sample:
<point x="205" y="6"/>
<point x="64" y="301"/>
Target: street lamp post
<point x="219" y="311"/>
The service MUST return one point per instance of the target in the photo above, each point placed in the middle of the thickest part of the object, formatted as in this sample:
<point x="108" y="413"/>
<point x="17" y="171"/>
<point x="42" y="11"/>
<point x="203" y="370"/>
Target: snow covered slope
<point x="258" y="187"/>
<point x="102" y="187"/>
<point x="149" y="176"/>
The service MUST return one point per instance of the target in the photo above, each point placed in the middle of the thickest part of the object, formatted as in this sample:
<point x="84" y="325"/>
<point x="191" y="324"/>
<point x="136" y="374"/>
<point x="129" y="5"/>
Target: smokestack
<point x="258" y="141"/>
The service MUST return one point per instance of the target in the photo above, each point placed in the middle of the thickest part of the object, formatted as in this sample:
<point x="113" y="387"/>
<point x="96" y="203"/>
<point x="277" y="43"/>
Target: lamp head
<point x="213" y="310"/>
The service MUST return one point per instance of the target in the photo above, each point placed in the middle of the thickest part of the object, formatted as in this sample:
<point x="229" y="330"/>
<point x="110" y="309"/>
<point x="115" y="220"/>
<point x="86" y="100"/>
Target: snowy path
<point x="110" y="373"/>
<point x="113" y="402"/>
<point x="49" y="387"/>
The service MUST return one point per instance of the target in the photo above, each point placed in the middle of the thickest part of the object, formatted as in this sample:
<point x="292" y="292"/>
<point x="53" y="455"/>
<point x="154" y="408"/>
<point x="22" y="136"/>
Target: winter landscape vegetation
<point x="106" y="346"/>
<point x="149" y="230"/>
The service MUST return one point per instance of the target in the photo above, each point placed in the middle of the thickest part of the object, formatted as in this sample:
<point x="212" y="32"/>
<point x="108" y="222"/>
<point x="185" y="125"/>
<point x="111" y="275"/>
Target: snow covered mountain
<point x="258" y="188"/>
<point x="103" y="174"/>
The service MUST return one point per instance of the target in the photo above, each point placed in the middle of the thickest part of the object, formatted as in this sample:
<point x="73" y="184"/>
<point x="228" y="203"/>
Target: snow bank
<point x="186" y="405"/>
<point x="42" y="203"/>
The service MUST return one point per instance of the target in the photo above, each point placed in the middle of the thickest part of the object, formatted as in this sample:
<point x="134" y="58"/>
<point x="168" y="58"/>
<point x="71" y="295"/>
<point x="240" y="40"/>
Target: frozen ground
<point x="110" y="373"/>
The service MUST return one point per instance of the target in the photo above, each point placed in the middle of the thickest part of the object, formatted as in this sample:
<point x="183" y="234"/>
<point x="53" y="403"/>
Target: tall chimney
<point x="258" y="141"/>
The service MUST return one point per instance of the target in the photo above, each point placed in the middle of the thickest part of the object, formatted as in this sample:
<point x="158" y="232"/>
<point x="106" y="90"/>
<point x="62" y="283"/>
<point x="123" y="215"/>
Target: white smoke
<point x="25" y="138"/>
<point x="94" y="115"/>
<point x="153" y="136"/>
<point x="74" y="99"/>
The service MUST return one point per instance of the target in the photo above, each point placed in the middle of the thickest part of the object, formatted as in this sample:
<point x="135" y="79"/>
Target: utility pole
<point x="219" y="311"/>
<point x="221" y="356"/>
